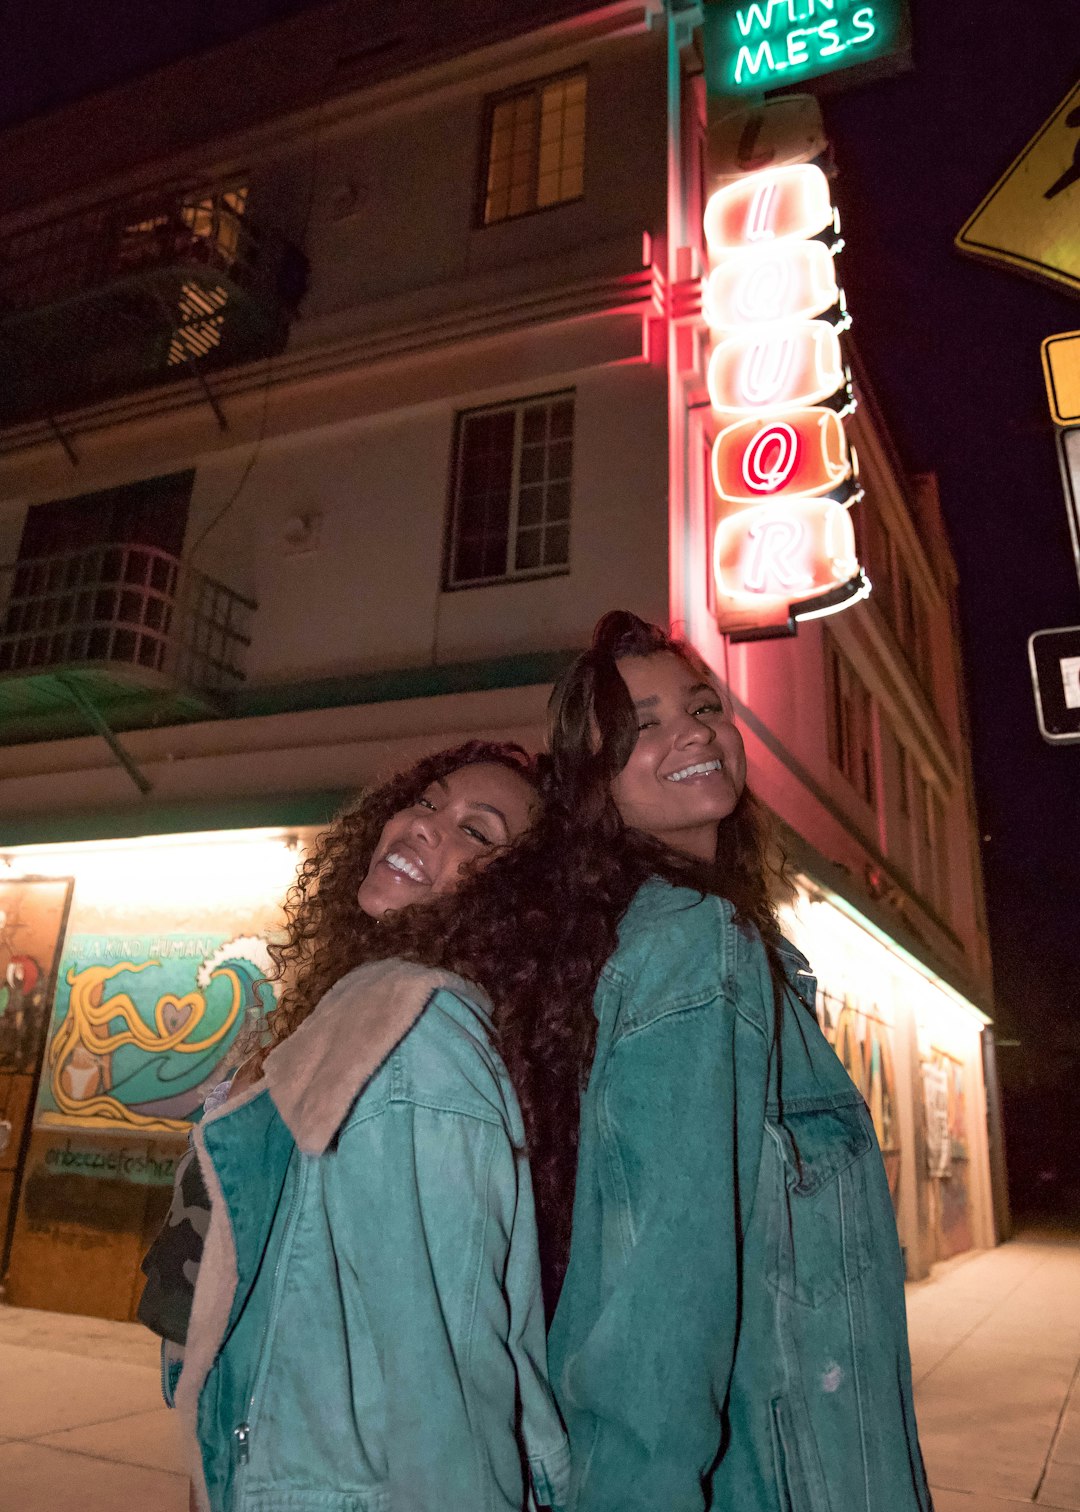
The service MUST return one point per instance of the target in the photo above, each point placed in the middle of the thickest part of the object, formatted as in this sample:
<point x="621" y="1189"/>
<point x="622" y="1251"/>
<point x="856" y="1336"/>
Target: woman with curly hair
<point x="731" y="1330"/>
<point x="367" y="1329"/>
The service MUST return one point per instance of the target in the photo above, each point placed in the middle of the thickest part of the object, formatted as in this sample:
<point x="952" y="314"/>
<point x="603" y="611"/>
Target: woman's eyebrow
<point x="647" y="703"/>
<point x="701" y="687"/>
<point x="491" y="809"/>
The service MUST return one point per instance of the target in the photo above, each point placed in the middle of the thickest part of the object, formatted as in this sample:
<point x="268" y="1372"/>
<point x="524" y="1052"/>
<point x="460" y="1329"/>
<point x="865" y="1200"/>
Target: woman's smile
<point x="699" y="769"/>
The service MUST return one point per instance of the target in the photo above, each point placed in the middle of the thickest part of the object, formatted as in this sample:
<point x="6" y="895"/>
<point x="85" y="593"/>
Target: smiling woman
<point x="734" y="1248"/>
<point x="368" y="1322"/>
<point x="462" y="818"/>
<point x="687" y="770"/>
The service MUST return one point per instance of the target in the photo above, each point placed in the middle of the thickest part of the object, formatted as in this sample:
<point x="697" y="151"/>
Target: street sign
<point x="1069" y="457"/>
<point x="1028" y="220"/>
<point x="1055" y="673"/>
<point x="1061" y="366"/>
<point x="775" y="44"/>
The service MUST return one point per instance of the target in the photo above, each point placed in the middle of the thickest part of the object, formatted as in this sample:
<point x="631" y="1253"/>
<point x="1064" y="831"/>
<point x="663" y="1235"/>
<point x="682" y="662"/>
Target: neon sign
<point x="797" y="363"/>
<point x="783" y="476"/>
<point x="755" y="45"/>
<point x="777" y="282"/>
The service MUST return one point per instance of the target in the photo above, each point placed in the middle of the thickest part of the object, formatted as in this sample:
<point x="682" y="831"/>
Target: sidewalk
<point x="995" y="1343"/>
<point x="82" y="1423"/>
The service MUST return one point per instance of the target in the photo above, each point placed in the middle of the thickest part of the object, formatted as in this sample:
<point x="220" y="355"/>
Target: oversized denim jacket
<point x="367" y="1331"/>
<point x="731" y="1333"/>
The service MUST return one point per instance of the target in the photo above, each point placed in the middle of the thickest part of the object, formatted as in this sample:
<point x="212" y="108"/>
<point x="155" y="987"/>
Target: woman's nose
<point x="694" y="732"/>
<point x="425" y="829"/>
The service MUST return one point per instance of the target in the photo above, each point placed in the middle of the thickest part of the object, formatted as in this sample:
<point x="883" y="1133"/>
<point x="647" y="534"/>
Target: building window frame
<point x="533" y="89"/>
<point x="850" y="724"/>
<point x="547" y="521"/>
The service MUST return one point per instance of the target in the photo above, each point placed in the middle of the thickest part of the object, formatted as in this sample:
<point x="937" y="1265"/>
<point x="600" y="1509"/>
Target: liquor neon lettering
<point x="780" y="466"/>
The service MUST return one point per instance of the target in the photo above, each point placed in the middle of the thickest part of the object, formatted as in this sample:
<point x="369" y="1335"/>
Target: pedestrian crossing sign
<point x="1029" y="219"/>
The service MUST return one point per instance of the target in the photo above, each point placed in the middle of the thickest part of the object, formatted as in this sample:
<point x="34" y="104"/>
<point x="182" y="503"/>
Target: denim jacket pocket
<point x="818" y="1243"/>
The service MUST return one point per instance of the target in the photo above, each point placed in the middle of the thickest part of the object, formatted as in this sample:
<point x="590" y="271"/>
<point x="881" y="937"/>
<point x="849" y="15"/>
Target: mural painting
<point x="863" y="1041"/>
<point x="33" y="912"/>
<point x="947" y="1153"/>
<point x="142" y="1027"/>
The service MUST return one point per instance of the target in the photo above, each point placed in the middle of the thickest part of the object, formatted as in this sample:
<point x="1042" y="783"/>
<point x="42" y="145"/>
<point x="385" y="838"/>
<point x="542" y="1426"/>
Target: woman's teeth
<point x="701" y="769"/>
<point x="398" y="863"/>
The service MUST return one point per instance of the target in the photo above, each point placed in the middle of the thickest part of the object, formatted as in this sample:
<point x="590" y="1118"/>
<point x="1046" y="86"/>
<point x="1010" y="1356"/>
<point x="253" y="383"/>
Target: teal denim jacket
<point x="731" y="1333"/>
<point x="367" y="1332"/>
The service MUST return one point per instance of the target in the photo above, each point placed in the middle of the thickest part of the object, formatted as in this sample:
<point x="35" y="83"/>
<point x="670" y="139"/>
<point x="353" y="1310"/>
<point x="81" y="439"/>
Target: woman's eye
<point x="710" y="708"/>
<point x="477" y="834"/>
<point x="425" y="803"/>
<point x="645" y="724"/>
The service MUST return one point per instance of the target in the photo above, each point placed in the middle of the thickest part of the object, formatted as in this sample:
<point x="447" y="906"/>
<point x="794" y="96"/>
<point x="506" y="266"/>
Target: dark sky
<point x="951" y="346"/>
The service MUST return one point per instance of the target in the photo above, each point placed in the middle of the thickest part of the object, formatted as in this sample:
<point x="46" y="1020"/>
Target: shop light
<point x="791" y="549"/>
<point x="177" y="873"/>
<point x="764" y="370"/>
<point x="800" y="452"/>
<point x="791" y="203"/>
<point x="788" y="281"/>
<point x="781" y="469"/>
<point x="842" y="917"/>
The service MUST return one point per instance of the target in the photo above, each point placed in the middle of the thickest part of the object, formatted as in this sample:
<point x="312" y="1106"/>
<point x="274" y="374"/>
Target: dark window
<point x="902" y="777"/>
<point x="941" y="850"/>
<point x="96" y="577"/>
<point x="535" y="148"/>
<point x="851" y="723"/>
<point x="510" y="514"/>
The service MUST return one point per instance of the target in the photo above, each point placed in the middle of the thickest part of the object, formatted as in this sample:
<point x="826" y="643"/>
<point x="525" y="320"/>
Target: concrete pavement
<point x="82" y="1423"/>
<point x="995" y="1345"/>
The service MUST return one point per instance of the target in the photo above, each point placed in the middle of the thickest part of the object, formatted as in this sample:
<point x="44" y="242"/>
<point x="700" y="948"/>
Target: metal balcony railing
<point x="136" y="292"/>
<point x="133" y="616"/>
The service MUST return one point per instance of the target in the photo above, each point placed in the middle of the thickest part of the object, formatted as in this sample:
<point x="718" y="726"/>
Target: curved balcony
<point x="138" y="292"/>
<point x="146" y="638"/>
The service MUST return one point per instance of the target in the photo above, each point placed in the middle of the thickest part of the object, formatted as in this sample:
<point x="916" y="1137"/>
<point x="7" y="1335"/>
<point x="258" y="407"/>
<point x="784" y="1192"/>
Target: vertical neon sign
<point x="783" y="477"/>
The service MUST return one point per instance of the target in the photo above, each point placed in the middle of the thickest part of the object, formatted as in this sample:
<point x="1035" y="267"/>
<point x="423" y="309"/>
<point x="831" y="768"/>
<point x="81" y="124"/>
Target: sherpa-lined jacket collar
<point x="315" y="1075"/>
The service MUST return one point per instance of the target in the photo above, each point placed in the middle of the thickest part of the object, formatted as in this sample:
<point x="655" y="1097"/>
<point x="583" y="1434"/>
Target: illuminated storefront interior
<point x="134" y="971"/>
<point x="913" y="1046"/>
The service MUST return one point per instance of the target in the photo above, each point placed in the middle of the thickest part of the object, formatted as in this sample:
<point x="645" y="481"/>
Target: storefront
<point x="913" y="1047"/>
<point x="131" y="970"/>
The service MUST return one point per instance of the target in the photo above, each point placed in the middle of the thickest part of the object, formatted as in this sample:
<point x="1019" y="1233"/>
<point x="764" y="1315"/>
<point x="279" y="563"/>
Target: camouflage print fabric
<point x="172" y="1262"/>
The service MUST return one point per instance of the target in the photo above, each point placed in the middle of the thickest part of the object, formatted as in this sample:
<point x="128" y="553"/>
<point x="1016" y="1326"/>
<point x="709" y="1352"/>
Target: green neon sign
<point x="752" y="46"/>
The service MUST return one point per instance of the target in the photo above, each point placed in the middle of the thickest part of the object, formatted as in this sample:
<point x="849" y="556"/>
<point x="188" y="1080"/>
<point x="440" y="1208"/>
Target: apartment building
<point x="345" y="389"/>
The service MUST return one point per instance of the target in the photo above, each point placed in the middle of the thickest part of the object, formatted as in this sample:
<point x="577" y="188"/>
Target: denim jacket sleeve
<point x="428" y="1268"/>
<point x="643" y="1385"/>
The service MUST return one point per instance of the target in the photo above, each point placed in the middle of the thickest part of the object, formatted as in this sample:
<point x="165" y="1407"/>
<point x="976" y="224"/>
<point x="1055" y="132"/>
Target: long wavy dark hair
<point x="513" y="926"/>
<point x="592" y="732"/>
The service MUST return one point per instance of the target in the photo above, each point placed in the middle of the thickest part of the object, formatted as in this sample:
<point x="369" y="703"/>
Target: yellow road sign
<point x="1030" y="220"/>
<point x="1061" y="365"/>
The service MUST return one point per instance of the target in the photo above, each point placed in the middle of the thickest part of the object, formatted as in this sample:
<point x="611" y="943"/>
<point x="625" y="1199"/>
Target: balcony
<point x="140" y="292"/>
<point x="128" y="629"/>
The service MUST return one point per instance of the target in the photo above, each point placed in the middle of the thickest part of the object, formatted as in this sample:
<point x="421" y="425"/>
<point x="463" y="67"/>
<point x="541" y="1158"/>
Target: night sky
<point x="951" y="346"/>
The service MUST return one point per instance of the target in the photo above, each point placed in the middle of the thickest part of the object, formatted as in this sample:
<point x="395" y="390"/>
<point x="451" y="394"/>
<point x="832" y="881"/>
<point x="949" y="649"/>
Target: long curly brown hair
<point x="513" y="926"/>
<point x="592" y="731"/>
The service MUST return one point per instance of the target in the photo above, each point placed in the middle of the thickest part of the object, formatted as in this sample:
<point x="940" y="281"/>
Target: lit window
<point x="510" y="515"/>
<point x="535" y="149"/>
